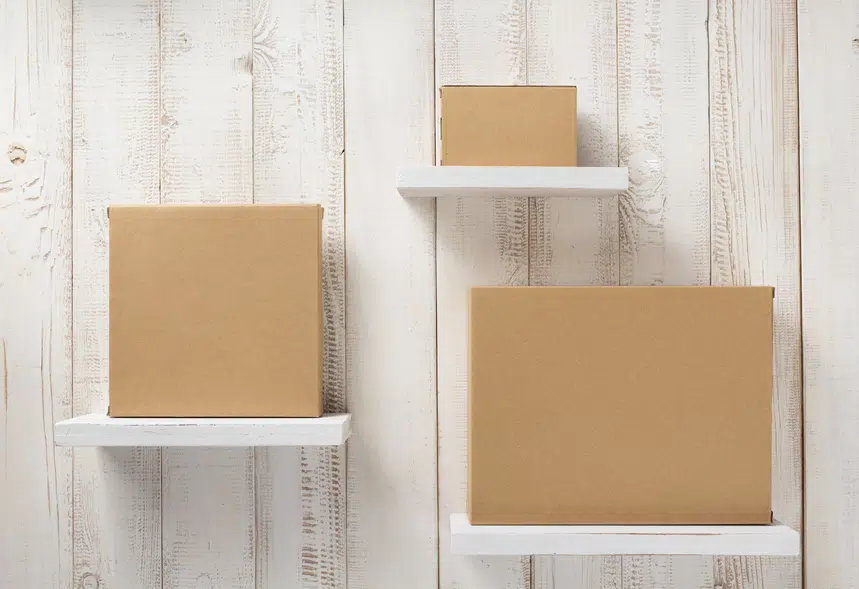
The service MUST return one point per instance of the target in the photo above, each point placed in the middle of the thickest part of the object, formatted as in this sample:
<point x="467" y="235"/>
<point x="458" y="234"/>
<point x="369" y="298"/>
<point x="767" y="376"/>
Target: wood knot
<point x="89" y="581"/>
<point x="17" y="154"/>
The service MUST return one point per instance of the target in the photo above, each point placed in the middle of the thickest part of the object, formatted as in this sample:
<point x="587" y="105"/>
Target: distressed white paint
<point x="96" y="429"/>
<point x="280" y="137"/>
<point x="829" y="117"/>
<point x="665" y="215"/>
<point x="479" y="242"/>
<point x="392" y="531"/>
<point x="475" y="181"/>
<point x="773" y="540"/>
<point x="298" y="157"/>
<point x="755" y="227"/>
<point x="35" y="292"/>
<point x="206" y="156"/>
<point x="117" y="494"/>
<point x="575" y="242"/>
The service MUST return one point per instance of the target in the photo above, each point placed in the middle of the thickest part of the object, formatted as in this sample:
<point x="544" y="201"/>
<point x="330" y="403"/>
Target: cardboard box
<point x="215" y="311"/>
<point x="620" y="405"/>
<point x="508" y="125"/>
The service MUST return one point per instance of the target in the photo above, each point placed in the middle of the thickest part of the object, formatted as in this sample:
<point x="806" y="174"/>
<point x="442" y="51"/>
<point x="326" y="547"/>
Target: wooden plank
<point x="298" y="157"/>
<point x="206" y="156"/>
<point x="665" y="215"/>
<point x="755" y="227"/>
<point x="117" y="495"/>
<point x="829" y="94"/>
<point x="773" y="540"/>
<point x="480" y="242"/>
<point x="575" y="243"/>
<point x="390" y="305"/>
<point x="35" y="292"/>
<point x="97" y="429"/>
<point x="492" y="181"/>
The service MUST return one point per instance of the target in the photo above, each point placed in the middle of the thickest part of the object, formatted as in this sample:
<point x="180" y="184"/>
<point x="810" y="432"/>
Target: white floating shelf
<point x="471" y="181"/>
<point x="100" y="430"/>
<point x="772" y="540"/>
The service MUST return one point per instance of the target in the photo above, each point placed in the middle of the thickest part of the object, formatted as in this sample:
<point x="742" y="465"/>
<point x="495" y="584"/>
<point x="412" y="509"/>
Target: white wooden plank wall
<point x="298" y="157"/>
<point x="116" y="144"/>
<point x="35" y="292"/>
<point x="754" y="197"/>
<point x="320" y="101"/>
<point x="829" y="123"/>
<point x="664" y="217"/>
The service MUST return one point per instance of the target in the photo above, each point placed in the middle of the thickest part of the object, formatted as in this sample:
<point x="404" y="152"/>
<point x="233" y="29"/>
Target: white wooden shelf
<point x="100" y="430"/>
<point x="771" y="540"/>
<point x="475" y="181"/>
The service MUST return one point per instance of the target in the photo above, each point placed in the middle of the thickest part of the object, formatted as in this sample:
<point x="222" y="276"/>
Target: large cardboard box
<point x="215" y="311"/>
<point x="620" y="405"/>
<point x="508" y="125"/>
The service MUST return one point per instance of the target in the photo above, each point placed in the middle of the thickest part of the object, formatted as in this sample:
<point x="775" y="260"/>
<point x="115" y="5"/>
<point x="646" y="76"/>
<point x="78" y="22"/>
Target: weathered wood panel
<point x="829" y="116"/>
<point x="390" y="304"/>
<point x="755" y="227"/>
<point x="665" y="215"/>
<point x="35" y="292"/>
<point x="206" y="156"/>
<point x="298" y="157"/>
<point x="480" y="242"/>
<point x="117" y="493"/>
<point x="575" y="241"/>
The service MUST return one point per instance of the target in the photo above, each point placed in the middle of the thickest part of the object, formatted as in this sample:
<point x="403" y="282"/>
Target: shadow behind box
<point x="620" y="405"/>
<point x="215" y="311"/>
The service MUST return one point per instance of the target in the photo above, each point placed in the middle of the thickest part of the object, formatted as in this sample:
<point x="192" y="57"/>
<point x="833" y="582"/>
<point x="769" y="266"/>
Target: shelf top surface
<point x="475" y="181"/>
<point x="101" y="430"/>
<point x="594" y="540"/>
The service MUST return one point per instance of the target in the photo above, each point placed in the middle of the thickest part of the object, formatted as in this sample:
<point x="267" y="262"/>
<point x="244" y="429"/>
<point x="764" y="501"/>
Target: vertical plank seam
<point x="160" y="147"/>
<point x="435" y="126"/>
<point x="620" y="196"/>
<point x="799" y="190"/>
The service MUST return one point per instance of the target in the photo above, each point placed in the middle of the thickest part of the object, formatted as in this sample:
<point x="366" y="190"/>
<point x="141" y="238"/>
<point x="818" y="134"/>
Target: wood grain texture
<point x="665" y="215"/>
<point x="298" y="157"/>
<point x="480" y="242"/>
<point x="117" y="494"/>
<point x="755" y="227"/>
<point x="35" y="292"/>
<point x="576" y="242"/>
<point x="206" y="156"/>
<point x="829" y="116"/>
<point x="390" y="305"/>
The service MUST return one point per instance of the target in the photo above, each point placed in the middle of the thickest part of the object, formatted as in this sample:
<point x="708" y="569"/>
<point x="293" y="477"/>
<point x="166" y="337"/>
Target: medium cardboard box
<point x="215" y="311"/>
<point x="508" y="125"/>
<point x="620" y="405"/>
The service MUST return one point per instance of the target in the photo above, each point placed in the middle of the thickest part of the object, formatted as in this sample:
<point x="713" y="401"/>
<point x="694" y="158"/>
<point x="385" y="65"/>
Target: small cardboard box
<point x="620" y="405"/>
<point x="215" y="311"/>
<point x="508" y="125"/>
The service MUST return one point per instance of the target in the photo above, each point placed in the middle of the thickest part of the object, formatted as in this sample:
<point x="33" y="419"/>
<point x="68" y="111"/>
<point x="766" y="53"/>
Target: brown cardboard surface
<point x="508" y="125"/>
<point x="215" y="311"/>
<point x="619" y="405"/>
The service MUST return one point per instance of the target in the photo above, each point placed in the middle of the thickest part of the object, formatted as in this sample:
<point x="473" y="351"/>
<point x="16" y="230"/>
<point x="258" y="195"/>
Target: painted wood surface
<point x="97" y="429"/>
<point x="494" y="540"/>
<point x="117" y="494"/>
<point x="479" y="242"/>
<point x="35" y="292"/>
<point x="392" y="536"/>
<point x="322" y="100"/>
<point x="665" y="215"/>
<point x="206" y="156"/>
<point x="829" y="118"/>
<point x="754" y="225"/>
<point x="298" y="157"/>
<point x="589" y="183"/>
<point x="576" y="243"/>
